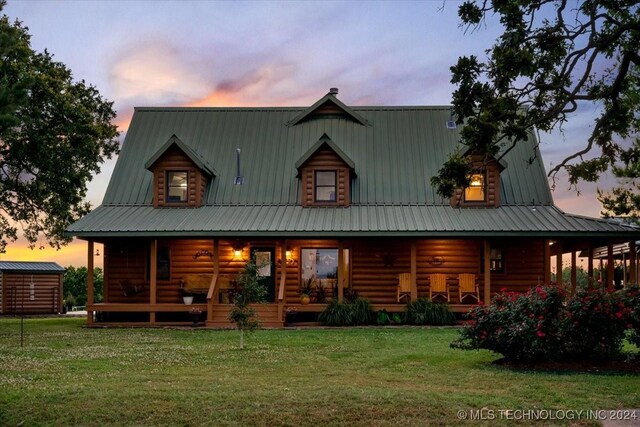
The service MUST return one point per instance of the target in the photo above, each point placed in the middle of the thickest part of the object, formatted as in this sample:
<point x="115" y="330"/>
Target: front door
<point x="264" y="258"/>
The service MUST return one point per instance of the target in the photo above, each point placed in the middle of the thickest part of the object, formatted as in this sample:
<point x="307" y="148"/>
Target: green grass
<point x="68" y="375"/>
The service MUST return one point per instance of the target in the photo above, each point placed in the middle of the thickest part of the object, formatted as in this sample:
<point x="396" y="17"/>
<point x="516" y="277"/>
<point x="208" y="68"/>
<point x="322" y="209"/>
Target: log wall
<point x="375" y="265"/>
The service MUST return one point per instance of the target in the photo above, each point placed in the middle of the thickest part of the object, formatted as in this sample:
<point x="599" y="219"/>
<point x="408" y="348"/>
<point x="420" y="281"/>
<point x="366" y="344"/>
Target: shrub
<point x="337" y="313"/>
<point x="543" y="324"/>
<point x="631" y="299"/>
<point x="424" y="312"/>
<point x="383" y="318"/>
<point x="593" y="325"/>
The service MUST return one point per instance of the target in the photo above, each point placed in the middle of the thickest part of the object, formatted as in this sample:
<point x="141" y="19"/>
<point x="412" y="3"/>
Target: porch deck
<point x="268" y="313"/>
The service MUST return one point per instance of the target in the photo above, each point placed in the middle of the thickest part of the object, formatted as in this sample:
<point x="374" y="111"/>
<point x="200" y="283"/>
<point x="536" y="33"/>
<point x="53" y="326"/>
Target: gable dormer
<point x="325" y="172"/>
<point x="329" y="106"/>
<point x="484" y="183"/>
<point x="180" y="175"/>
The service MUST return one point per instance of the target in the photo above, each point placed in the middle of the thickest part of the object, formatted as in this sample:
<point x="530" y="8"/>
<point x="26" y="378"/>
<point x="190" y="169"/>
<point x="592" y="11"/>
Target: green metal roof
<point x="296" y="221"/>
<point x="396" y="151"/>
<point x="395" y="155"/>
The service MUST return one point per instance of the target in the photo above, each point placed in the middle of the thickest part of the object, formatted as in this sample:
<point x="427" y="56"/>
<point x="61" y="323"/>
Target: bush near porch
<point x="545" y="324"/>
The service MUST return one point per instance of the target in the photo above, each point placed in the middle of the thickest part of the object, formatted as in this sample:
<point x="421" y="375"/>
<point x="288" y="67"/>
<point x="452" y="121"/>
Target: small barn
<point x="30" y="287"/>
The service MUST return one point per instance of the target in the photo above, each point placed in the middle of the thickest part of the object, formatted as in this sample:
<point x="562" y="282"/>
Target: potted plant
<point x="195" y="313"/>
<point x="306" y="288"/>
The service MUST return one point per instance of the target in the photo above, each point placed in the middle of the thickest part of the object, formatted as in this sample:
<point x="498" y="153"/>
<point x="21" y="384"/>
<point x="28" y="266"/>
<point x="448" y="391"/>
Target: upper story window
<point x="325" y="186"/>
<point x="177" y="186"/>
<point x="475" y="191"/>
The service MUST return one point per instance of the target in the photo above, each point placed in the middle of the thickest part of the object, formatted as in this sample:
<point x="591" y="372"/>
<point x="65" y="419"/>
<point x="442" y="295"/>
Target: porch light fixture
<point x="289" y="260"/>
<point x="238" y="247"/>
<point x="97" y="252"/>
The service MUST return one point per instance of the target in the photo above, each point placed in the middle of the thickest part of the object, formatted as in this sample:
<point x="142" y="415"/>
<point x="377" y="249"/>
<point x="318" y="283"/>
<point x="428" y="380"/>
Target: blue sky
<point x="143" y="53"/>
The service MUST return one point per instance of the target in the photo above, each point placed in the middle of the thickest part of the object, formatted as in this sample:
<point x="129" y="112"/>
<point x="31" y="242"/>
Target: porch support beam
<point x="414" y="270"/>
<point x="610" y="267"/>
<point x="559" y="263"/>
<point x="547" y="262"/>
<point x="283" y="279"/>
<point x="90" y="283"/>
<point x="340" y="271"/>
<point x="574" y="272"/>
<point x="590" y="265"/>
<point x="487" y="272"/>
<point x="153" y="278"/>
<point x="216" y="272"/>
<point x="633" y="263"/>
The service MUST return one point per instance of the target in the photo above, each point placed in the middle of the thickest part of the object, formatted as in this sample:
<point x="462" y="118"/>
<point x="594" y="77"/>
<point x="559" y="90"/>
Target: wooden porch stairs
<point x="266" y="313"/>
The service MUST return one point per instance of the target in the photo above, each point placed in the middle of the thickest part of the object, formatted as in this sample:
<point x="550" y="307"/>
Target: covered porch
<point x="146" y="278"/>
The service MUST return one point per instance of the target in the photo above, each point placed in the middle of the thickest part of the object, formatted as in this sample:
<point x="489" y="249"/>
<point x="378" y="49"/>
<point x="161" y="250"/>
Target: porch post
<point x="283" y="279"/>
<point x="610" y="267"/>
<point x="590" y="265"/>
<point x="574" y="272"/>
<point x="487" y="272"/>
<point x="633" y="269"/>
<point x="414" y="270"/>
<point x="547" y="262"/>
<point x="216" y="271"/>
<point x="340" y="271"/>
<point x="153" y="273"/>
<point x="89" y="283"/>
<point x="558" y="263"/>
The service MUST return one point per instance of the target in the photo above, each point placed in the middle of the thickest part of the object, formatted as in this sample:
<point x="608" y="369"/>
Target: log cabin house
<point x="30" y="287"/>
<point x="331" y="195"/>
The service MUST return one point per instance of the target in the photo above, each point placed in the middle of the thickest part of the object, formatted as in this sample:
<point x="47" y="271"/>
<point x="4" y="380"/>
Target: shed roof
<point x="30" y="267"/>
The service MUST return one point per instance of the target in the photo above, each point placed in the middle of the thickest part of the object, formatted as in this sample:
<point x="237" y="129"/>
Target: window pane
<point x="177" y="188"/>
<point x="325" y="186"/>
<point x="326" y="178"/>
<point x="475" y="191"/>
<point x="325" y="194"/>
<point x="321" y="263"/>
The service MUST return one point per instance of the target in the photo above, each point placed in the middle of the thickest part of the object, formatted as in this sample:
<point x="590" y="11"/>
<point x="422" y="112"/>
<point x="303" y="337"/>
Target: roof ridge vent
<point x="333" y="91"/>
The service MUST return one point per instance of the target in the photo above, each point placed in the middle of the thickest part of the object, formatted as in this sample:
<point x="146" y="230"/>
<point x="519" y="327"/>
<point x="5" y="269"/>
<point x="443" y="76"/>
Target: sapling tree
<point x="249" y="290"/>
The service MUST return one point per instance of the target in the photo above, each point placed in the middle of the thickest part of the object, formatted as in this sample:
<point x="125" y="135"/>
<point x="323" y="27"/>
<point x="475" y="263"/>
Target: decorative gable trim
<point x="325" y="140"/>
<point x="193" y="155"/>
<point x="329" y="100"/>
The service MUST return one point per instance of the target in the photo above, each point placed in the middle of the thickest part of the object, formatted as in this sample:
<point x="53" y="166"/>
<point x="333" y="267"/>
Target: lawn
<point x="69" y="375"/>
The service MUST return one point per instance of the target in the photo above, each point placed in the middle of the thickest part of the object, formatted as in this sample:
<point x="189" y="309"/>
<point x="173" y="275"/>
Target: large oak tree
<point x="553" y="59"/>
<point x="54" y="135"/>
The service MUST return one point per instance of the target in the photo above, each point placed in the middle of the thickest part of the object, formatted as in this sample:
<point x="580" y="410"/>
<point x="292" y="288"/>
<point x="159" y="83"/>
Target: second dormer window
<point x="475" y="191"/>
<point x="325" y="186"/>
<point x="177" y="186"/>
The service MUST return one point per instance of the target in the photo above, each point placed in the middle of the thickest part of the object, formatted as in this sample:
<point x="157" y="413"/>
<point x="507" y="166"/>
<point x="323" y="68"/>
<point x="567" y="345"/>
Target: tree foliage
<point x="75" y="283"/>
<point x="54" y="135"/>
<point x="554" y="58"/>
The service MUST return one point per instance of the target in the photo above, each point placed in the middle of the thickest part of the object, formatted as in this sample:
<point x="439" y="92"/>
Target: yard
<point x="68" y="375"/>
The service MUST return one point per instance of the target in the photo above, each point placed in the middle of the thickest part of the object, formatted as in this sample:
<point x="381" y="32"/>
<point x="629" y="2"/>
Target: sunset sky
<point x="263" y="53"/>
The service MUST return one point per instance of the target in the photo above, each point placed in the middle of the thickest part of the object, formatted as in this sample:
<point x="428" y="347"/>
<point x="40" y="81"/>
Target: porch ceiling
<point x="293" y="221"/>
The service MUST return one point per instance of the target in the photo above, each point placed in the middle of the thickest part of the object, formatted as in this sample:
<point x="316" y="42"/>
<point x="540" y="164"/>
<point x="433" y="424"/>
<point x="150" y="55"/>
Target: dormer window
<point x="475" y="191"/>
<point x="177" y="186"/>
<point x="325" y="186"/>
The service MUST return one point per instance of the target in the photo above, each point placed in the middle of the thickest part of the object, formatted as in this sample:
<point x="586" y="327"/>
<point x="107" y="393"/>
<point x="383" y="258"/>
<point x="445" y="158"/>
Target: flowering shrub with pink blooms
<point x="546" y="324"/>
